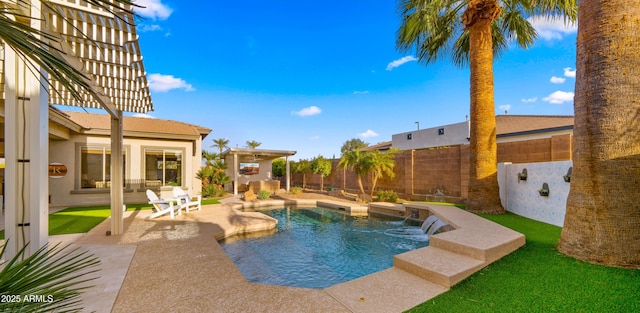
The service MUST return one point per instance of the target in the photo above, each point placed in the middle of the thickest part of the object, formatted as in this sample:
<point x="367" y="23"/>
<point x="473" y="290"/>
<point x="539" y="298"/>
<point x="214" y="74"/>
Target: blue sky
<point x="310" y="75"/>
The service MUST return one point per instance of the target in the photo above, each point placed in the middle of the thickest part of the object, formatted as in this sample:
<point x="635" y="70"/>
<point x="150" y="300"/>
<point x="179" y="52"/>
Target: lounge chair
<point x="162" y="206"/>
<point x="186" y="201"/>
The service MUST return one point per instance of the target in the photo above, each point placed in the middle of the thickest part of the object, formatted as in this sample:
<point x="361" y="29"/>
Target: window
<point x="163" y="167"/>
<point x="95" y="167"/>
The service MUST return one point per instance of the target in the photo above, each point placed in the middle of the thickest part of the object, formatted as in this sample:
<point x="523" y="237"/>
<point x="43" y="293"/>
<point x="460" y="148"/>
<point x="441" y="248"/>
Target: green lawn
<point x="75" y="220"/>
<point x="537" y="278"/>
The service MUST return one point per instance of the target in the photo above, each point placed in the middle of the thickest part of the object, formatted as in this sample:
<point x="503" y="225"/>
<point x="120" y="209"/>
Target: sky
<point x="309" y="75"/>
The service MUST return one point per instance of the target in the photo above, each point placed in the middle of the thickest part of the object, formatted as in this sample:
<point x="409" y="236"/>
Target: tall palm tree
<point x="221" y="143"/>
<point x="473" y="32"/>
<point x="602" y="220"/>
<point x="253" y="144"/>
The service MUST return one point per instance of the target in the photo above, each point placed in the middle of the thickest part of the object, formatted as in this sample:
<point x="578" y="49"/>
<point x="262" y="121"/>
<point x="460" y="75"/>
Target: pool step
<point x="439" y="266"/>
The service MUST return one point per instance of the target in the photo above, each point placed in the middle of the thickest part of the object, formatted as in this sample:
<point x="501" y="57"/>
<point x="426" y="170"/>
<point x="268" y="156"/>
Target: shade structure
<point x="105" y="47"/>
<point x="101" y="43"/>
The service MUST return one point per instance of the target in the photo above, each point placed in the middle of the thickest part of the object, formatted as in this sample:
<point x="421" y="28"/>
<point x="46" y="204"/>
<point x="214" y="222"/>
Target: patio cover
<point x="101" y="45"/>
<point x="244" y="154"/>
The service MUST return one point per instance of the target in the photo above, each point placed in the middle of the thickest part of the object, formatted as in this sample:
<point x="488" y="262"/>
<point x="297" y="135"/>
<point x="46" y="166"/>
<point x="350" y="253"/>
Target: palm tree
<point x="602" y="220"/>
<point x="381" y="164"/>
<point x="473" y="32"/>
<point x="355" y="160"/>
<point x="221" y="143"/>
<point x="253" y="144"/>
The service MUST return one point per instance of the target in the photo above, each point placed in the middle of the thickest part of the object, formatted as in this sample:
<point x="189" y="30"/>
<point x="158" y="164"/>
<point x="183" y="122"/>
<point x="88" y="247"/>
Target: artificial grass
<point x="75" y="220"/>
<point x="537" y="278"/>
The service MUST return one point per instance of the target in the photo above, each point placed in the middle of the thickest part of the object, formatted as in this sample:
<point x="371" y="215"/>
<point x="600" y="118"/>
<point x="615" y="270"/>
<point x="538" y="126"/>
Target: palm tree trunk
<point x="483" y="193"/>
<point x="602" y="221"/>
<point x="360" y="185"/>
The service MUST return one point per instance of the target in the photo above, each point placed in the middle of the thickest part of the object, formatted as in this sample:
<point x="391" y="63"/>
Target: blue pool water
<point x="318" y="248"/>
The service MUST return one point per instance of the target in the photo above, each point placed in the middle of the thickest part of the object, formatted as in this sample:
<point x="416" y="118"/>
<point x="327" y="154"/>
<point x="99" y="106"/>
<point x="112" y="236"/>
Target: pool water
<point x="318" y="248"/>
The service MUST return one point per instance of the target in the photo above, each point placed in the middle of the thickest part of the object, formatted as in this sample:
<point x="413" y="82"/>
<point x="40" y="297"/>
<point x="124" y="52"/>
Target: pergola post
<point x="117" y="180"/>
<point x="235" y="174"/>
<point x="26" y="151"/>
<point x="288" y="172"/>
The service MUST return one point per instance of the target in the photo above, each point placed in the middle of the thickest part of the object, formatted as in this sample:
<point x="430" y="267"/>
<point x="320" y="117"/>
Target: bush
<point x="295" y="190"/>
<point x="212" y="191"/>
<point x="263" y="195"/>
<point x="387" y="196"/>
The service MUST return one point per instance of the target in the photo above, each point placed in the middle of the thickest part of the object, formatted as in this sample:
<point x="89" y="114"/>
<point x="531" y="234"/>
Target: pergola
<point x="251" y="155"/>
<point x="104" y="47"/>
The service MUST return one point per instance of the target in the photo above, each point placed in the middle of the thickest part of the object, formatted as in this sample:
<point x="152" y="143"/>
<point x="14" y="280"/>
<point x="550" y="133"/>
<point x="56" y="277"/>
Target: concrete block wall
<point x="523" y="198"/>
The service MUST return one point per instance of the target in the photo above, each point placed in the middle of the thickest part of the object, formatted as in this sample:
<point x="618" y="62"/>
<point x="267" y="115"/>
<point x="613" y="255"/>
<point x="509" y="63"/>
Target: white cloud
<point x="153" y="9"/>
<point x="557" y="80"/>
<point x="559" y="97"/>
<point x="569" y="73"/>
<point x="149" y="28"/>
<point x="400" y="61"/>
<point x="143" y="115"/>
<point x="368" y="134"/>
<point x="505" y="107"/>
<point x="530" y="100"/>
<point x="552" y="28"/>
<point x="315" y="138"/>
<point x="361" y="92"/>
<point x="163" y="83"/>
<point x="312" y="110"/>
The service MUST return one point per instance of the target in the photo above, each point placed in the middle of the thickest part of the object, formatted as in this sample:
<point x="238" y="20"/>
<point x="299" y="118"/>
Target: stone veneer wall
<point x="523" y="198"/>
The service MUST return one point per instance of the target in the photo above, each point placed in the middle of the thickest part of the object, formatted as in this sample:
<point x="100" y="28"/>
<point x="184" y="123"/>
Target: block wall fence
<point x="440" y="174"/>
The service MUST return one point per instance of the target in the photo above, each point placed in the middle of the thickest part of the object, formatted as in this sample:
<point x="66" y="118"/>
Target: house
<point x="158" y="154"/>
<point x="509" y="128"/>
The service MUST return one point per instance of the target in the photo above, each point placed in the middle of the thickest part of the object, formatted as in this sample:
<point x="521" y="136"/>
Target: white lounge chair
<point x="162" y="206"/>
<point x="186" y="201"/>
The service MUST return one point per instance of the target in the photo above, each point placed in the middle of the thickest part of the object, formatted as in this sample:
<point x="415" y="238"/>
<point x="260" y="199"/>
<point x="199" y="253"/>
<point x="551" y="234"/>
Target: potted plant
<point x="567" y="178"/>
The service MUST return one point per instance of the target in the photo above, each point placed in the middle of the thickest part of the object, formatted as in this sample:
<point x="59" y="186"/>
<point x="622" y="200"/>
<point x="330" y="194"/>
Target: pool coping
<point x="199" y="276"/>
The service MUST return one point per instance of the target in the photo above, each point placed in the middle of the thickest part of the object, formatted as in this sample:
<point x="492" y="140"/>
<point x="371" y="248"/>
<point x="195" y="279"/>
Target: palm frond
<point x="57" y="274"/>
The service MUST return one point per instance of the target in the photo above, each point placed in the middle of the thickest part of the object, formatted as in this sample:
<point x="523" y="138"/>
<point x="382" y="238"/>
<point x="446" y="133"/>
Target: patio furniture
<point x="162" y="206"/>
<point x="186" y="201"/>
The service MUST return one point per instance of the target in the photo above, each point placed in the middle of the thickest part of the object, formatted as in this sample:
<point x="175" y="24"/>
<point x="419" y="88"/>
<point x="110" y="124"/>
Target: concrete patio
<point x="177" y="265"/>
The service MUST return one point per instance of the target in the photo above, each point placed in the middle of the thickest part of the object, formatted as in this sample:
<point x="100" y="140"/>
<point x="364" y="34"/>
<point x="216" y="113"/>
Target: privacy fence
<point x="440" y="174"/>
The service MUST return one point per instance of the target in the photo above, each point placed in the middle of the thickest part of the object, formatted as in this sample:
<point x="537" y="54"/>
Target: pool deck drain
<point x="177" y="265"/>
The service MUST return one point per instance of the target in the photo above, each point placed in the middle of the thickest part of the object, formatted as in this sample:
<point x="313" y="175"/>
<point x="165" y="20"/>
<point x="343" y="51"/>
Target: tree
<point x="355" y="160"/>
<point x="221" y="143"/>
<point x="602" y="220"/>
<point x="473" y="32"/>
<point x="352" y="145"/>
<point x="303" y="166"/>
<point x="253" y="144"/>
<point x="279" y="167"/>
<point x="322" y="167"/>
<point x="380" y="164"/>
<point x="213" y="175"/>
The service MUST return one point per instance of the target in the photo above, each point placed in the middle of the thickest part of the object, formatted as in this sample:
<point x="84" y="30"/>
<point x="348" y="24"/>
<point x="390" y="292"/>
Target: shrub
<point x="387" y="196"/>
<point x="212" y="191"/>
<point x="295" y="190"/>
<point x="263" y="195"/>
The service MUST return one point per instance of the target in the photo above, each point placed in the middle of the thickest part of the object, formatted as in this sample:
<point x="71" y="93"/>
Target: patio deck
<point x="177" y="265"/>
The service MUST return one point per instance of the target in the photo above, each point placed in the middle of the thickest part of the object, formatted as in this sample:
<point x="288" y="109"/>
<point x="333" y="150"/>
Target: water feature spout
<point x="432" y="224"/>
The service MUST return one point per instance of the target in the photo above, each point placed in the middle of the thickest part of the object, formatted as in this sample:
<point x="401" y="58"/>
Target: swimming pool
<point x="318" y="248"/>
